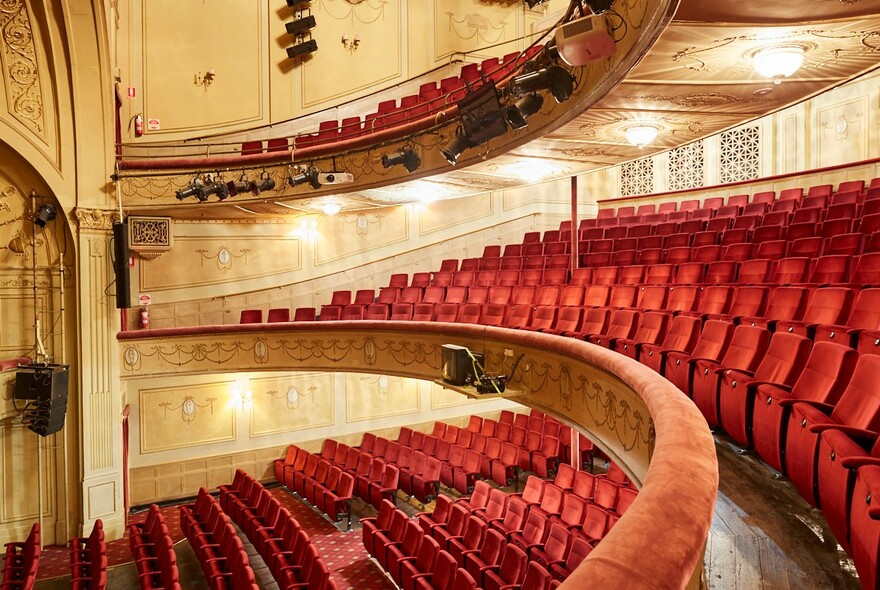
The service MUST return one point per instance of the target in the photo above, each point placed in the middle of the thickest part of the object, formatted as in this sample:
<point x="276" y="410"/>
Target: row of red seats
<point x="88" y="560"/>
<point x="848" y="191"/>
<point x="153" y="552"/>
<point x="22" y="558"/>
<point x="218" y="548"/>
<point x="323" y="484"/>
<point x="275" y="534"/>
<point x="432" y="97"/>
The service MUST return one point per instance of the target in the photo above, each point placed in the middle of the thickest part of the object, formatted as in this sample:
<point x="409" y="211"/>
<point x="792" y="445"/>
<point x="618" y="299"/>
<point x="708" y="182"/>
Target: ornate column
<point x="101" y="392"/>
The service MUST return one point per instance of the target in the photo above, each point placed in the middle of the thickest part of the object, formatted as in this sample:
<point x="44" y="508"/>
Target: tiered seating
<point x="88" y="560"/>
<point x="322" y="480"/>
<point x="21" y="561"/>
<point x="274" y="533"/>
<point x="153" y="552"/>
<point x="216" y="545"/>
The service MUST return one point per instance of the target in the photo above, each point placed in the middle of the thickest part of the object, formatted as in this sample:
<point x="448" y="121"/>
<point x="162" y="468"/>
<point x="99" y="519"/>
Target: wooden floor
<point x="765" y="536"/>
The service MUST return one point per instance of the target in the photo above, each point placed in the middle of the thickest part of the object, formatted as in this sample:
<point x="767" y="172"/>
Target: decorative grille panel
<point x="687" y="167"/>
<point x="637" y="177"/>
<point x="740" y="154"/>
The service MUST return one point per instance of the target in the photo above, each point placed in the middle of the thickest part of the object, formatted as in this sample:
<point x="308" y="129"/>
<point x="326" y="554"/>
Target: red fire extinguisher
<point x="145" y="317"/>
<point x="138" y="125"/>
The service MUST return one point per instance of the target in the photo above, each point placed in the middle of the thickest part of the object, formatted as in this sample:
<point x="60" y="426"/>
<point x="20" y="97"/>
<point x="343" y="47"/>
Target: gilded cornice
<point x="96" y="219"/>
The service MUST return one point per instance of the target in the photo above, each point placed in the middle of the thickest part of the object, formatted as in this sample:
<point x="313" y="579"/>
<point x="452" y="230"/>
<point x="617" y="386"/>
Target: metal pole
<point x="574" y="237"/>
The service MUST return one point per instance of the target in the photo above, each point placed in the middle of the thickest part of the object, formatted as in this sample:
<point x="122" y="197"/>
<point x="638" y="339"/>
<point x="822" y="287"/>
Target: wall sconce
<point x="243" y="400"/>
<point x="350" y="44"/>
<point x="205" y="80"/>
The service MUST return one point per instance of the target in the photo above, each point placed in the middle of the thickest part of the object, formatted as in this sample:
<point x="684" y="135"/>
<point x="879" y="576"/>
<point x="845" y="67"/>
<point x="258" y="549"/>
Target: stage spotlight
<point x="209" y="188"/>
<point x="297" y="3"/>
<point x="309" y="175"/>
<point x="300" y="25"/>
<point x="236" y="187"/>
<point x="408" y="157"/>
<point x="556" y="79"/>
<point x="265" y="183"/>
<point x="303" y="48"/>
<point x="517" y="115"/>
<point x="190" y="190"/>
<point x="599" y="6"/>
<point x="455" y="147"/>
<point x="45" y="214"/>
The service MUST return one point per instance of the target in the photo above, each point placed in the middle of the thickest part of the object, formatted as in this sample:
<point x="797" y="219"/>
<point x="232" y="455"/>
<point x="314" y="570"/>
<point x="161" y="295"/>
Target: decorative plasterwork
<point x="96" y="219"/>
<point x="701" y="100"/>
<point x="150" y="237"/>
<point x="687" y="166"/>
<point x="637" y="177"/>
<point x="20" y="70"/>
<point x="740" y="154"/>
<point x="355" y="10"/>
<point x="476" y="25"/>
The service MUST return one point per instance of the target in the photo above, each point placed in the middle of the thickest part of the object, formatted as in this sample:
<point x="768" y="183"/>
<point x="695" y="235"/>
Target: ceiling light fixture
<point x="309" y="175"/>
<point x="556" y="79"/>
<point x="778" y="61"/>
<point x="641" y="135"/>
<point x="407" y="156"/>
<point x="331" y="208"/>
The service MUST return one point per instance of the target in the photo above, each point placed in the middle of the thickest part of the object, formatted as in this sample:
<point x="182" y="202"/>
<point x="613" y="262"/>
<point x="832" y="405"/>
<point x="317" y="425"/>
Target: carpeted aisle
<point x="343" y="552"/>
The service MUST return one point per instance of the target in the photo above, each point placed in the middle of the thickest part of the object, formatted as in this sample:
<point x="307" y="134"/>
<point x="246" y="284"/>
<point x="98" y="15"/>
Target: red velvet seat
<point x="683" y="333"/>
<point x="651" y="330"/>
<point x="865" y="525"/>
<point x="713" y="342"/>
<point x="510" y="571"/>
<point x="826" y="306"/>
<point x="858" y="409"/>
<point x="781" y="364"/>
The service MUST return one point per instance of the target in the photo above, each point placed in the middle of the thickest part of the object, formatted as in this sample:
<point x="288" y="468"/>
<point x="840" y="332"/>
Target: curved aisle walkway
<point x="764" y="535"/>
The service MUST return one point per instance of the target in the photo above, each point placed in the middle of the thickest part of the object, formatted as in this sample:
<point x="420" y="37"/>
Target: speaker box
<point x="45" y="386"/>
<point x="120" y="265"/>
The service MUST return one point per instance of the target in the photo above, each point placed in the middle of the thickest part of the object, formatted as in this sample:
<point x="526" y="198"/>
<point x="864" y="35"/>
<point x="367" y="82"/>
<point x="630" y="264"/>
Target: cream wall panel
<point x="468" y="25"/>
<point x="370" y="397"/>
<point x="355" y="238"/>
<point x="842" y="131"/>
<point x="175" y="417"/>
<point x="184" y="39"/>
<point x="293" y="402"/>
<point x="442" y="215"/>
<point x="333" y="73"/>
<point x="200" y="262"/>
<point x="19" y="452"/>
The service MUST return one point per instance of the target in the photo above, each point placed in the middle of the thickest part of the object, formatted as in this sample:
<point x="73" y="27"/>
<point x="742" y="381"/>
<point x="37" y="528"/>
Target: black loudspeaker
<point x="45" y="388"/>
<point x="120" y="265"/>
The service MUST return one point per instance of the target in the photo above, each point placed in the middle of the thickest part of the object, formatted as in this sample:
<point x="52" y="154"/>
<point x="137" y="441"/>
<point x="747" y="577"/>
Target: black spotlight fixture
<point x="309" y="175"/>
<point x="304" y="48"/>
<point x="211" y="187"/>
<point x="265" y="183"/>
<point x="556" y="79"/>
<point x="236" y="187"/>
<point x="455" y="147"/>
<point x="300" y="25"/>
<point x="189" y="190"/>
<point x="45" y="214"/>
<point x="599" y="6"/>
<point x="407" y="156"/>
<point x="296" y="4"/>
<point x="517" y="114"/>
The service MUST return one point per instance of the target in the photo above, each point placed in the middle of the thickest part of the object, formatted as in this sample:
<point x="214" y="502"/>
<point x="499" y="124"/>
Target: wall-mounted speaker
<point x="120" y="265"/>
<point x="44" y="386"/>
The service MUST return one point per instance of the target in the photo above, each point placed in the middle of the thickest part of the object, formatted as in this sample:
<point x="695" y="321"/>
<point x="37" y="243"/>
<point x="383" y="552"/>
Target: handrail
<point x="642" y="421"/>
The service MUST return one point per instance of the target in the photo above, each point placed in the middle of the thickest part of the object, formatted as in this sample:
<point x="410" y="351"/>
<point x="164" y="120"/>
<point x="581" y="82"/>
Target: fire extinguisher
<point x="145" y="317"/>
<point x="138" y="125"/>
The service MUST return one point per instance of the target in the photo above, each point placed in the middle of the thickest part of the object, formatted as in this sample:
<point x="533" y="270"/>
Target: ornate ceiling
<point x="696" y="80"/>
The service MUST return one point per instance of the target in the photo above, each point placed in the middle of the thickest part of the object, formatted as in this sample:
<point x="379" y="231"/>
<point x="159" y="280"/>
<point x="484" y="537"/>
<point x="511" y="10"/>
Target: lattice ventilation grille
<point x="687" y="167"/>
<point x="740" y="154"/>
<point x="637" y="177"/>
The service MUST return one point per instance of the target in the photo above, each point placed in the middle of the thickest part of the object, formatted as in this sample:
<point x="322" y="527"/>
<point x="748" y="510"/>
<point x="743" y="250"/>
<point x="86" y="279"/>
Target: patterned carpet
<point x="342" y="551"/>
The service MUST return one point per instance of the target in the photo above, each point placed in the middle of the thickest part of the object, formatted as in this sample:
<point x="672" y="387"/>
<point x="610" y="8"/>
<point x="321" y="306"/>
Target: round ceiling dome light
<point x="778" y="61"/>
<point x="331" y="208"/>
<point x="641" y="135"/>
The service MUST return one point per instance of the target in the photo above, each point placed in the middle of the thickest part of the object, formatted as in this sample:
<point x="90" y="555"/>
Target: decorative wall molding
<point x="96" y="219"/>
<point x="740" y="154"/>
<point x="687" y="166"/>
<point x="637" y="177"/>
<point x="20" y="67"/>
